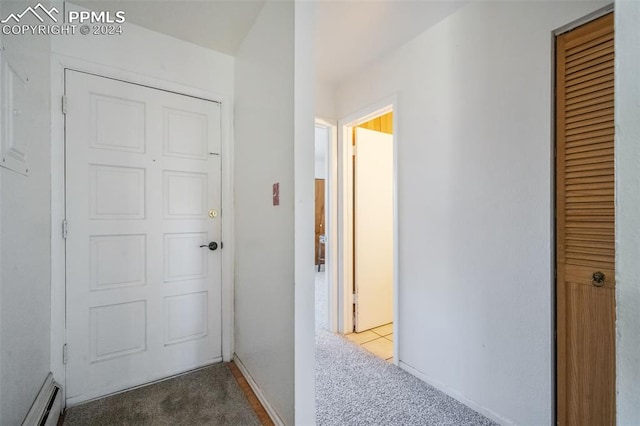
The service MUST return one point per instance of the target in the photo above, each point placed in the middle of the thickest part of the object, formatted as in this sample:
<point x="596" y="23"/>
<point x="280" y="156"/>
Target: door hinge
<point x="64" y="104"/>
<point x="353" y="150"/>
<point x="65" y="229"/>
<point x="64" y="354"/>
<point x="355" y="298"/>
<point x="355" y="317"/>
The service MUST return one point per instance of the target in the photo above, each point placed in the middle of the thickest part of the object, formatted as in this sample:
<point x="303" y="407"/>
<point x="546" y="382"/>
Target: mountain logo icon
<point x="34" y="11"/>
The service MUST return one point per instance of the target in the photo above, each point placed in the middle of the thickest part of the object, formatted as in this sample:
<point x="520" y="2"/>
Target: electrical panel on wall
<point x="14" y="122"/>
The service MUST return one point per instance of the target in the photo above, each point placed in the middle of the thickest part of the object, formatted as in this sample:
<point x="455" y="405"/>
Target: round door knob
<point x="598" y="279"/>
<point x="212" y="245"/>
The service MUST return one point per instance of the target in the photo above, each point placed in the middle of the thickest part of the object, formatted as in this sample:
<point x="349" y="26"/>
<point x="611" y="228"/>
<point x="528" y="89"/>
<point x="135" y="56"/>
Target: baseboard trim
<point x="259" y="393"/>
<point x="490" y="414"/>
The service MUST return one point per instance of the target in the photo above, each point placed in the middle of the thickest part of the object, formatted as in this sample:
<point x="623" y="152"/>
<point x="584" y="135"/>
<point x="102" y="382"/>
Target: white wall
<point x="325" y="106"/>
<point x="304" y="121"/>
<point x="321" y="140"/>
<point x="24" y="234"/>
<point x="149" y="53"/>
<point x="475" y="202"/>
<point x="627" y="206"/>
<point x="264" y="154"/>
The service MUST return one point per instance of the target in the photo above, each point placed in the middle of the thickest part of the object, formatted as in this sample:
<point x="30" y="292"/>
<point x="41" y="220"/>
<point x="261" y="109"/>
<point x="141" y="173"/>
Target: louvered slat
<point x="604" y="240"/>
<point x="579" y="112"/>
<point x="584" y="167"/>
<point x="585" y="65"/>
<point x="597" y="116"/>
<point x="588" y="140"/>
<point x="598" y="146"/>
<point x="596" y="51"/>
<point x="589" y="129"/>
<point x="588" y="103"/>
<point x="595" y="159"/>
<point x="590" y="82"/>
<point x="588" y="74"/>
<point x="603" y="179"/>
<point x="577" y="45"/>
<point x="593" y="97"/>
<point x="588" y="198"/>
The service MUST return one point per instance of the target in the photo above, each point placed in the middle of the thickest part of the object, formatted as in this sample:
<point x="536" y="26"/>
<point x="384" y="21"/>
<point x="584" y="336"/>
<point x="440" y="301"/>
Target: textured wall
<point x="25" y="226"/>
<point x="627" y="151"/>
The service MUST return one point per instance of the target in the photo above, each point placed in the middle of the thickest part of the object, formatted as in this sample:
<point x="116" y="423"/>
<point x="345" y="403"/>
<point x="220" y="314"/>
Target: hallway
<point x="128" y="159"/>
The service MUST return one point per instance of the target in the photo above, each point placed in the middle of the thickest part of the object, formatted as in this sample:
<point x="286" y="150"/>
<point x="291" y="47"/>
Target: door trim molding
<point x="58" y="253"/>
<point x="581" y="21"/>
<point x="331" y="220"/>
<point x="345" y="224"/>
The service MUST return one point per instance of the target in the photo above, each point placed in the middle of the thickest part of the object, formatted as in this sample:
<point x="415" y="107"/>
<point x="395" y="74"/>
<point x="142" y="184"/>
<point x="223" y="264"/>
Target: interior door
<point x="142" y="202"/>
<point x="320" y="251"/>
<point x="585" y="224"/>
<point x="373" y="229"/>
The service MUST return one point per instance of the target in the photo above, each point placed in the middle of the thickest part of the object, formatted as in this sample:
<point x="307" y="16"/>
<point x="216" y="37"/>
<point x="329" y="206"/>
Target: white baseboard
<point x="47" y="407"/>
<point x="259" y="394"/>
<point x="490" y="414"/>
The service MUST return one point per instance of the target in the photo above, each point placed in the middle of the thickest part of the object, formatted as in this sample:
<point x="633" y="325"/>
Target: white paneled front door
<point x="142" y="197"/>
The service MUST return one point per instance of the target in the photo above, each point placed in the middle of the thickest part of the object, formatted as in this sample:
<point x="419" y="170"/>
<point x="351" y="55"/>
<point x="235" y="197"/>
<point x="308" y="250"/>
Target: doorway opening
<point x="367" y="309"/>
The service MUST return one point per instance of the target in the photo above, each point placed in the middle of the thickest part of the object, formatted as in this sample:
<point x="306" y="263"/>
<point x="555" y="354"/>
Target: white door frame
<point x="331" y="219"/>
<point x="344" y="242"/>
<point x="58" y="256"/>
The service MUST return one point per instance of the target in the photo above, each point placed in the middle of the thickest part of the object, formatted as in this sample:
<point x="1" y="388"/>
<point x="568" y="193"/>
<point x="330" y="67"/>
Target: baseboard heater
<point x="47" y="407"/>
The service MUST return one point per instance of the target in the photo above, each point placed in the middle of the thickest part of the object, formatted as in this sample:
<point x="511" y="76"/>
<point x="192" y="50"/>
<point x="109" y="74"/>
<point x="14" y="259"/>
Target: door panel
<point x="590" y="315"/>
<point x="320" y="229"/>
<point x="142" y="174"/>
<point x="373" y="226"/>
<point x="585" y="225"/>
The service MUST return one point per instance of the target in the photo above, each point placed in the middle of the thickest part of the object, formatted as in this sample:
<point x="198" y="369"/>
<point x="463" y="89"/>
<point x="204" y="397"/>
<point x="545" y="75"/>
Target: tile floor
<point x="378" y="341"/>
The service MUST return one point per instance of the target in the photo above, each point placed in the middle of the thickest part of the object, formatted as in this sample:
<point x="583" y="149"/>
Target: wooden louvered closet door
<point x="585" y="225"/>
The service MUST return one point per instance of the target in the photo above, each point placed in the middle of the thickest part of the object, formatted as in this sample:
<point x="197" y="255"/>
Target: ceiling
<point x="220" y="25"/>
<point x="349" y="34"/>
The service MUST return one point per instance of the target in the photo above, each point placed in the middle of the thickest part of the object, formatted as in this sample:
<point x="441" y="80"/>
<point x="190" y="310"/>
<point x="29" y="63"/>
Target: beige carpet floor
<point x="209" y="396"/>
